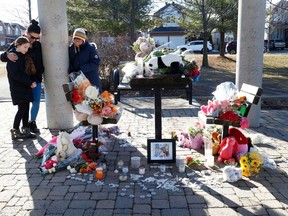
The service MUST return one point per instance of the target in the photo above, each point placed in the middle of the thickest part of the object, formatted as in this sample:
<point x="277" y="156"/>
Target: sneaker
<point x="33" y="127"/>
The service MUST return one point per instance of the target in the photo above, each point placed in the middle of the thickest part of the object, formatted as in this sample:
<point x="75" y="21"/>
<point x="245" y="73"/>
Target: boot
<point x="33" y="127"/>
<point x="27" y="132"/>
<point x="16" y="134"/>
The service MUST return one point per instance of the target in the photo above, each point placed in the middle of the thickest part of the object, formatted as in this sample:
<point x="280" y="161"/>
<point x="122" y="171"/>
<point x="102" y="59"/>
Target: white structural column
<point x="250" y="44"/>
<point x="54" y="39"/>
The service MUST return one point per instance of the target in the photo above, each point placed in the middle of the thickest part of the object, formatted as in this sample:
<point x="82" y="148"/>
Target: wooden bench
<point x="252" y="94"/>
<point x="118" y="87"/>
<point x="68" y="88"/>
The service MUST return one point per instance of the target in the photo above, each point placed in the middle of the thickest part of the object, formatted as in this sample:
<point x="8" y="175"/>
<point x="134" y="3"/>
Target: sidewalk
<point x="23" y="191"/>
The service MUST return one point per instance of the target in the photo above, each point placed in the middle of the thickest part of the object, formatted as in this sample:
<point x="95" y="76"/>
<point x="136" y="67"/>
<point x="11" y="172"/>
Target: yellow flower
<point x="256" y="156"/>
<point x="246" y="172"/>
<point x="255" y="163"/>
<point x="245" y="166"/>
<point x="243" y="159"/>
<point x="255" y="170"/>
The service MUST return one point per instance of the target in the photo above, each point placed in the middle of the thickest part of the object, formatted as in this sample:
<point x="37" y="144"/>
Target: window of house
<point x="8" y="30"/>
<point x="1" y="29"/>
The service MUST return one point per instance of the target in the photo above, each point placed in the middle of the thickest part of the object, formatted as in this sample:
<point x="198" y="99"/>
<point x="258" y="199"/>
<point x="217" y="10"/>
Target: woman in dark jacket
<point x="84" y="57"/>
<point x="21" y="87"/>
<point x="35" y="52"/>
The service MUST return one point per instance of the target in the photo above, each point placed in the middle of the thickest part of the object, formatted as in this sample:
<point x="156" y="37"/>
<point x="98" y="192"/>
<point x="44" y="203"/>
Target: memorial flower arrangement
<point x="87" y="100"/>
<point x="191" y="69"/>
<point x="227" y="105"/>
<point x="251" y="163"/>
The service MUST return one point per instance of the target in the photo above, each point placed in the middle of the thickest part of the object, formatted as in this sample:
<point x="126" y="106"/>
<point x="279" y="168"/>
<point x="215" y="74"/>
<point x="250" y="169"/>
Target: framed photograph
<point x="161" y="151"/>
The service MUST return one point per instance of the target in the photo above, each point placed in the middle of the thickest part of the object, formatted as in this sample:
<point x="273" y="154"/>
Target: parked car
<point x="196" y="46"/>
<point x="231" y="47"/>
<point x="279" y="44"/>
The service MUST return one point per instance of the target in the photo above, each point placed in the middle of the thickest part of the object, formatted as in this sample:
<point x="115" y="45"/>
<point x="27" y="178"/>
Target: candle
<point x="141" y="170"/>
<point x="120" y="164"/>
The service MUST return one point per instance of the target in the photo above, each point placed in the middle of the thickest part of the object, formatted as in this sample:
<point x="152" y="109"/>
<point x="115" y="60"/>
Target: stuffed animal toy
<point x="241" y="140"/>
<point x="228" y="149"/>
<point x="65" y="146"/>
<point x="130" y="70"/>
<point x="232" y="174"/>
<point x="52" y="162"/>
<point x="172" y="60"/>
<point x="216" y="139"/>
<point x="145" y="49"/>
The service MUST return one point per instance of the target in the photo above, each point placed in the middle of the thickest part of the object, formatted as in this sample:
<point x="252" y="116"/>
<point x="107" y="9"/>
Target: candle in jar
<point x="120" y="164"/>
<point x="141" y="170"/>
<point x="99" y="173"/>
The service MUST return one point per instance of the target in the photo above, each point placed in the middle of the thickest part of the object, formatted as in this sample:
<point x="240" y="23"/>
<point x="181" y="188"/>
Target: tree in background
<point x="198" y="19"/>
<point x="226" y="14"/>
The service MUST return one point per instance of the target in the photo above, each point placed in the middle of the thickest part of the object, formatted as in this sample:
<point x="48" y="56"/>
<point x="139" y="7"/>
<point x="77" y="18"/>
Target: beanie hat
<point x="80" y="33"/>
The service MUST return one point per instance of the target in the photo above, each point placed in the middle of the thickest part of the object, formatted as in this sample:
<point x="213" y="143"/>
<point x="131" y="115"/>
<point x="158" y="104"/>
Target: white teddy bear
<point x="65" y="146"/>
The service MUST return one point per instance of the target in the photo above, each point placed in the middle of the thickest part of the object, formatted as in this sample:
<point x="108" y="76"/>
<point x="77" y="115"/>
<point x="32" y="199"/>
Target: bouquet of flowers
<point x="251" y="163"/>
<point x="191" y="69"/>
<point x="86" y="98"/>
<point x="196" y="135"/>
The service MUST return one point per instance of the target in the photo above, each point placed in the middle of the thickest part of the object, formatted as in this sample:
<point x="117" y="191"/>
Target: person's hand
<point x="12" y="57"/>
<point x="33" y="85"/>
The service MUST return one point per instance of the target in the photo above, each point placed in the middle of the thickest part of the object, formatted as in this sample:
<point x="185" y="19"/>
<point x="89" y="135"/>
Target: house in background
<point x="9" y="32"/>
<point x="170" y="32"/>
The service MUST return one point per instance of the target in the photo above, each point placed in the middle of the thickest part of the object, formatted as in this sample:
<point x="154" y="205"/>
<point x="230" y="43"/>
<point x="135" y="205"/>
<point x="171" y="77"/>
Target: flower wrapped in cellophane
<point x="86" y="99"/>
<point x="251" y="163"/>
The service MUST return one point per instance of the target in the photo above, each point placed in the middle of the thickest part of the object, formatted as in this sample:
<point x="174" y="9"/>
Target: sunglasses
<point x="34" y="38"/>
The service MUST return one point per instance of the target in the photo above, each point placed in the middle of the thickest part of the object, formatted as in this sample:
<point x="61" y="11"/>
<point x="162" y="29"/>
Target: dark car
<point x="231" y="47"/>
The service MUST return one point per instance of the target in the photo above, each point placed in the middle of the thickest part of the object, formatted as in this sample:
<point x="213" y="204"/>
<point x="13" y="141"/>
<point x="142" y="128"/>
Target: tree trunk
<point x="205" y="55"/>
<point x="222" y="44"/>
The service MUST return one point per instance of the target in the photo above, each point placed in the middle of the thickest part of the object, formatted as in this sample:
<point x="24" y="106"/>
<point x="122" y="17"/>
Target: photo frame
<point x="161" y="150"/>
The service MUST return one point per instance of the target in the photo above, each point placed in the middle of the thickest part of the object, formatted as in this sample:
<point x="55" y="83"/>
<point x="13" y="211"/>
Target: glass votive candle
<point x="125" y="169"/>
<point x="181" y="168"/>
<point x="141" y="170"/>
<point x="210" y="160"/>
<point x="99" y="173"/>
<point x="120" y="164"/>
<point x="135" y="162"/>
<point x="123" y="177"/>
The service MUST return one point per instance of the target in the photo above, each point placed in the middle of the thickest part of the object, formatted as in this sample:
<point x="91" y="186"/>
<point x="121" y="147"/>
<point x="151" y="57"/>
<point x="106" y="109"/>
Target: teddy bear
<point x="228" y="149"/>
<point x="65" y="146"/>
<point x="232" y="173"/>
<point x="172" y="60"/>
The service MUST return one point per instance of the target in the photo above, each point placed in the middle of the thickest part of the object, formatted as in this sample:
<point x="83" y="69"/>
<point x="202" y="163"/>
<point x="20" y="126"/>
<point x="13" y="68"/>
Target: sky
<point x="17" y="10"/>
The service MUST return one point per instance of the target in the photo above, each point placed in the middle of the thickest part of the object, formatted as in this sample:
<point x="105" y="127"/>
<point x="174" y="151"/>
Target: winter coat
<point x="86" y="59"/>
<point x="36" y="54"/>
<point x="19" y="80"/>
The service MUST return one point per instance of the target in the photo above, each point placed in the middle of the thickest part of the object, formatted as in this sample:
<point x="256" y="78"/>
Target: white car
<point x="196" y="45"/>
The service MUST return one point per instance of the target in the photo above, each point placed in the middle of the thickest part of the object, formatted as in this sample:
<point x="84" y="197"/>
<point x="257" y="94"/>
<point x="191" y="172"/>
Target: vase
<point x="95" y="119"/>
<point x="196" y="142"/>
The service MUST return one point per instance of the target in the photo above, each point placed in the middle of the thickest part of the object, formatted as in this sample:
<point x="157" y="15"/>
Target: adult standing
<point x="84" y="57"/>
<point x="35" y="53"/>
<point x="21" y="86"/>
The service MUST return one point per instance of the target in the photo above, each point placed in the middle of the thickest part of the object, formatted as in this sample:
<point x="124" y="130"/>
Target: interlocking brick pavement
<point x="23" y="191"/>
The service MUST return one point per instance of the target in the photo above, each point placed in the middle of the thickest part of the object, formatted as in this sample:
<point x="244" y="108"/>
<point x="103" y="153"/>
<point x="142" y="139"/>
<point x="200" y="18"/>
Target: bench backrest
<point x="252" y="94"/>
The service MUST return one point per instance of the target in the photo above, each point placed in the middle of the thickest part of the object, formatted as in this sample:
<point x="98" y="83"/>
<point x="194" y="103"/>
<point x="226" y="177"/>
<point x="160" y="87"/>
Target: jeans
<point x="36" y="103"/>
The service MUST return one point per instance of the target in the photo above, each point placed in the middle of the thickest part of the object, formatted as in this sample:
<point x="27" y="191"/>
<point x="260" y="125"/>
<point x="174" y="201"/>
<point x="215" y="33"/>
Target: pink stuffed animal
<point x="228" y="149"/>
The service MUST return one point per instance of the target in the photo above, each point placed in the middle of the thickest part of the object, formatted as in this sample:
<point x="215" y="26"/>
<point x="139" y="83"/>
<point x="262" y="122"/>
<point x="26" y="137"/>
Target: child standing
<point x="21" y="87"/>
